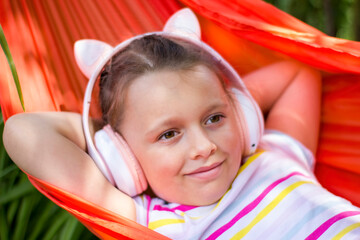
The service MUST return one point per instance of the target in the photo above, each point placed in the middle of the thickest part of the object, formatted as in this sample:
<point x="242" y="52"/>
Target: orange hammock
<point x="249" y="33"/>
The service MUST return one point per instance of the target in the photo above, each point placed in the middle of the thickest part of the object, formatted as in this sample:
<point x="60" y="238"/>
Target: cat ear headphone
<point x="110" y="152"/>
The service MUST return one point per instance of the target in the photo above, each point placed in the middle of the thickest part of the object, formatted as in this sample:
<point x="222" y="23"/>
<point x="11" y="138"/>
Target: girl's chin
<point x="198" y="195"/>
<point x="198" y="199"/>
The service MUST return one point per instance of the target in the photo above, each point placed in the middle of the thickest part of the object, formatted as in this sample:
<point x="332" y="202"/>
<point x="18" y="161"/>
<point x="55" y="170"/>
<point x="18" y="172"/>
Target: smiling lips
<point x="207" y="173"/>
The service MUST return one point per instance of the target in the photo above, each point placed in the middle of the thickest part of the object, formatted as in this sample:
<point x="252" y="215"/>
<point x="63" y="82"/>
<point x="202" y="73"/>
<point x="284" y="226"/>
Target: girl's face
<point x="181" y="127"/>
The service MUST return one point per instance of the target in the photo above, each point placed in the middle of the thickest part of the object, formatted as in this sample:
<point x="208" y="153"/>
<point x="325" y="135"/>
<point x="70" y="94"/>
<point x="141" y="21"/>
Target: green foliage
<point x="10" y="60"/>
<point x="27" y="214"/>
<point x="334" y="17"/>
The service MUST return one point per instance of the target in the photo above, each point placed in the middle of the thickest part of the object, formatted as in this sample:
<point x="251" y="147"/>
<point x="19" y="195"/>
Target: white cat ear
<point x="89" y="53"/>
<point x="184" y="22"/>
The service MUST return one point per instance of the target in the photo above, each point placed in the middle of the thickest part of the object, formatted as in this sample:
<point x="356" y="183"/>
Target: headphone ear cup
<point x="250" y="120"/>
<point x="121" y="163"/>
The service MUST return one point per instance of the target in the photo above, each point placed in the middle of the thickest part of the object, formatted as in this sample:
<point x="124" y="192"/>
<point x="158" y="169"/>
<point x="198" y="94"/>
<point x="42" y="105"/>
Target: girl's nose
<point x="202" y="146"/>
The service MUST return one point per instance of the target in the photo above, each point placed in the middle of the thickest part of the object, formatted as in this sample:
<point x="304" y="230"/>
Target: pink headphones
<point x="110" y="152"/>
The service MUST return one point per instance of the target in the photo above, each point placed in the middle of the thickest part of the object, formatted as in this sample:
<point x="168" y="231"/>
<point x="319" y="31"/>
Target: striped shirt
<point x="274" y="196"/>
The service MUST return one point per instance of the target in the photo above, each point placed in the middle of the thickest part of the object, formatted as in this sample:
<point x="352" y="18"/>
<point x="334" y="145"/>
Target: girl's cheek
<point x="231" y="139"/>
<point x="162" y="161"/>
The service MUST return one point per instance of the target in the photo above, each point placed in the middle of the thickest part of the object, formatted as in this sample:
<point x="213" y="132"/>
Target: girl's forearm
<point x="51" y="147"/>
<point x="268" y="83"/>
<point x="289" y="95"/>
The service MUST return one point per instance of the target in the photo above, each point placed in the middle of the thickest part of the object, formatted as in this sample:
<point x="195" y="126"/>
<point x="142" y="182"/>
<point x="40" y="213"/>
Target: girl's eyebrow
<point x="215" y="106"/>
<point x="172" y="121"/>
<point x="161" y="124"/>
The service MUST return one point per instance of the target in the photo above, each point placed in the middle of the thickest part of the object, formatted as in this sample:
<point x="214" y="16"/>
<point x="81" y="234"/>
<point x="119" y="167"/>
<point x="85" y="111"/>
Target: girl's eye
<point x="168" y="135"/>
<point x="214" y="119"/>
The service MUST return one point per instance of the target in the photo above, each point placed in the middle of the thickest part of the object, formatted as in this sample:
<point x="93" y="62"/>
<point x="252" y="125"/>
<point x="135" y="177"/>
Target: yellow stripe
<point x="250" y="160"/>
<point x="242" y="168"/>
<point x="163" y="222"/>
<point x="183" y="214"/>
<point x="345" y="231"/>
<point x="268" y="209"/>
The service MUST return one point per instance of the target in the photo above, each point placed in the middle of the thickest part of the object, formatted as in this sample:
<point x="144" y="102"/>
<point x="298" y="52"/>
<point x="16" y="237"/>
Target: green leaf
<point x="12" y="209"/>
<point x="7" y="170"/>
<point x="69" y="229"/>
<point x="43" y="218"/>
<point x="24" y="216"/>
<point x="10" y="60"/>
<point x="4" y="226"/>
<point x="61" y="218"/>
<point x="16" y="192"/>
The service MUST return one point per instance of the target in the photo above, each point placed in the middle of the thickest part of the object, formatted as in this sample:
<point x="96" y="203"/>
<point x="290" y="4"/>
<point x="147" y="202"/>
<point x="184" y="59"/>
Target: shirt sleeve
<point x="142" y="205"/>
<point x="145" y="206"/>
<point x="280" y="142"/>
<point x="168" y="219"/>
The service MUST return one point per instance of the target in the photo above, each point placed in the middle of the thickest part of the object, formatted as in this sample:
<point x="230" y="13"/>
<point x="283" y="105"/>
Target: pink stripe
<point x="148" y="198"/>
<point x="182" y="208"/>
<point x="323" y="227"/>
<point x="250" y="206"/>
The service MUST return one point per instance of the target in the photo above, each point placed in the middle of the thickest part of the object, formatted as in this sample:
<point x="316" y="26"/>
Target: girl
<point x="176" y="105"/>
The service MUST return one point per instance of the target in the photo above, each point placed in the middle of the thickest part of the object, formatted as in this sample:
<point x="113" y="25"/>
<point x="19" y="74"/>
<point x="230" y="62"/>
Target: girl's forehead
<point x="198" y="76"/>
<point x="162" y="88"/>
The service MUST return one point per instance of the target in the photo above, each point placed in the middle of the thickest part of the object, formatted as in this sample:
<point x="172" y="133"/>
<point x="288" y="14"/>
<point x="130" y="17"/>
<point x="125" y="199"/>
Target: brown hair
<point x="147" y="54"/>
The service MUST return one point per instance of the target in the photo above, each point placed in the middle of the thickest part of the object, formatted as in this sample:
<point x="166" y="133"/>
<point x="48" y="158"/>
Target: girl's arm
<point x="289" y="95"/>
<point x="51" y="146"/>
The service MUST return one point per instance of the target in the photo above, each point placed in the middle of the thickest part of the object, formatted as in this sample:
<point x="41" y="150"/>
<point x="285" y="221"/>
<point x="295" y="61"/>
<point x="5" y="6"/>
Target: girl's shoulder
<point x="280" y="145"/>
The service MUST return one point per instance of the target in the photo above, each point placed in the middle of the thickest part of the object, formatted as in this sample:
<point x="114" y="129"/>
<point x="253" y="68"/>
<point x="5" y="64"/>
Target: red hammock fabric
<point x="249" y="33"/>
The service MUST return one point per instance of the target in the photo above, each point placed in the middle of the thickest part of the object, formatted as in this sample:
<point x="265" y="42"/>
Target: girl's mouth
<point x="207" y="172"/>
